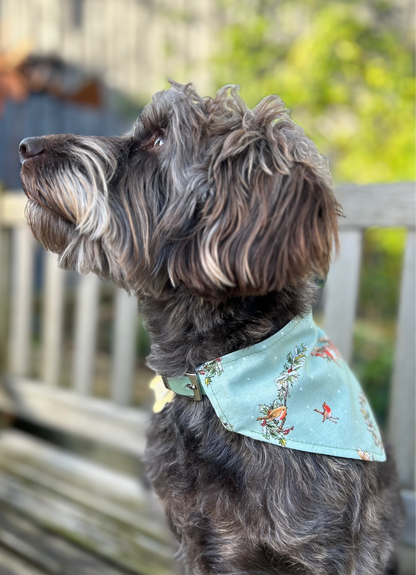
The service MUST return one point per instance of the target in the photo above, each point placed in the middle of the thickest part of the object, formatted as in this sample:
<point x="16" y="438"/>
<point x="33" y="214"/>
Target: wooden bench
<point x="89" y="502"/>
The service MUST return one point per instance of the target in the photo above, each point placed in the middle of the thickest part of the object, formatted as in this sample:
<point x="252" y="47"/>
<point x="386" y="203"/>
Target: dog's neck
<point x="186" y="331"/>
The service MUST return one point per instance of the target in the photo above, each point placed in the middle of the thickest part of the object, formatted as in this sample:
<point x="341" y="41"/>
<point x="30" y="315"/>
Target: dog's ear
<point x="268" y="216"/>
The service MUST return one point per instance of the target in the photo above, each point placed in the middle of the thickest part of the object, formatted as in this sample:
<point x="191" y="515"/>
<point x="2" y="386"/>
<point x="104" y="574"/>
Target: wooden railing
<point x="75" y="411"/>
<point x="386" y="205"/>
<point x="114" y="421"/>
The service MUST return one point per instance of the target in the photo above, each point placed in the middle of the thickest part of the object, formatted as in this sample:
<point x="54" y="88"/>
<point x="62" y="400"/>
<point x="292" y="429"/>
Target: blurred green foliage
<point x="346" y="70"/>
<point x="373" y="362"/>
<point x="378" y="299"/>
<point x="382" y="260"/>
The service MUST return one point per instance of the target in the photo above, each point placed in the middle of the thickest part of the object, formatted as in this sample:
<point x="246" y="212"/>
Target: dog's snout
<point x="30" y="147"/>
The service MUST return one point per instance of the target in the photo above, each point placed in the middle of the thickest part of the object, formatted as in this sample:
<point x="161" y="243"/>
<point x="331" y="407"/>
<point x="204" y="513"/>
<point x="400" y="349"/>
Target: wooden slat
<point x="132" y="49"/>
<point x="21" y="299"/>
<point x="63" y="510"/>
<point x="407" y="559"/>
<point x="87" y="418"/>
<point x="86" y="333"/>
<point x="12" y="564"/>
<point x="341" y="293"/>
<point x="201" y="36"/>
<point x="62" y="465"/>
<point x="12" y="207"/>
<point x="48" y="553"/>
<point x="383" y="205"/>
<point x="50" y="14"/>
<point x="408" y="536"/>
<point x="4" y="293"/>
<point x="402" y="405"/>
<point x="53" y="319"/>
<point x="125" y="333"/>
<point x="37" y="462"/>
<point x="90" y="503"/>
<point x="157" y="56"/>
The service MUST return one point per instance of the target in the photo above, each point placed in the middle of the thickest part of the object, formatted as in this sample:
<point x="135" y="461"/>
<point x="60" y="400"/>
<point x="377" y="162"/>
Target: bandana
<point x="292" y="390"/>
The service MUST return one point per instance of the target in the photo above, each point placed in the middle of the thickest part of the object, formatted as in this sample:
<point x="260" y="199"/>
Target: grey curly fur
<point x="216" y="217"/>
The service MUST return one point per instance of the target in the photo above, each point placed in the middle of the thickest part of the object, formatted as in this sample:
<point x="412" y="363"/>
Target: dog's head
<point x="205" y="195"/>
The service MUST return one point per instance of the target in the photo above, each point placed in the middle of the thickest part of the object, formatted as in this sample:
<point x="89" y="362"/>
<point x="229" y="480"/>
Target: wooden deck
<point x="60" y="514"/>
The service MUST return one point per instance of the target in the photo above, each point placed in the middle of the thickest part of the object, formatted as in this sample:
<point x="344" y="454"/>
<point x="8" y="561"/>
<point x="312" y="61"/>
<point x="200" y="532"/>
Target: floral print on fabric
<point x="370" y="427"/>
<point x="226" y="424"/>
<point x="274" y="415"/>
<point x="211" y="369"/>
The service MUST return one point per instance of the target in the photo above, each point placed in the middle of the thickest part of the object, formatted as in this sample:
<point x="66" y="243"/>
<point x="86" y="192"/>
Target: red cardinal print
<point x="326" y="349"/>
<point x="327" y="413"/>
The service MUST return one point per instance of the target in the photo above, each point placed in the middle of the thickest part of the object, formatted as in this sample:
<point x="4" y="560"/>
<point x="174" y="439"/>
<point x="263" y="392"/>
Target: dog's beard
<point x="76" y="251"/>
<point x="68" y="209"/>
<point x="53" y="232"/>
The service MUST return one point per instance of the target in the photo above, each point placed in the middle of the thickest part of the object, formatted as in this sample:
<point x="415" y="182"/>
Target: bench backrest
<point x="114" y="421"/>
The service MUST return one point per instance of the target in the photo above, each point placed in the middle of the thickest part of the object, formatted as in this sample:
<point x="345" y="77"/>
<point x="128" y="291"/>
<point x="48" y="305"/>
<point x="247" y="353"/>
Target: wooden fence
<point x="134" y="45"/>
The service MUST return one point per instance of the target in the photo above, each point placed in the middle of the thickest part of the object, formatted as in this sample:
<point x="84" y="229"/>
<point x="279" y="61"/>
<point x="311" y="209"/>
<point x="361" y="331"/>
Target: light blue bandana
<point x="293" y="390"/>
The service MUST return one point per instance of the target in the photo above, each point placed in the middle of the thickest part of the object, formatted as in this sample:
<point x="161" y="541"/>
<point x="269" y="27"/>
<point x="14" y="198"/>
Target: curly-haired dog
<point x="218" y="218"/>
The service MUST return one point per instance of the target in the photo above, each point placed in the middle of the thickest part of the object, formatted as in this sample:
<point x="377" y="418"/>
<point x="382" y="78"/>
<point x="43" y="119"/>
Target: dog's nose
<point x="30" y="147"/>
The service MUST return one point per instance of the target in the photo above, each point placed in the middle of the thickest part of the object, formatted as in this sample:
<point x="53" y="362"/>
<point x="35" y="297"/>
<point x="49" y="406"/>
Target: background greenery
<point x="346" y="70"/>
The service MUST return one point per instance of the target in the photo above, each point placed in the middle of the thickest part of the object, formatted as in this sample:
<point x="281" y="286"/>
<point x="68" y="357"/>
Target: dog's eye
<point x="159" y="142"/>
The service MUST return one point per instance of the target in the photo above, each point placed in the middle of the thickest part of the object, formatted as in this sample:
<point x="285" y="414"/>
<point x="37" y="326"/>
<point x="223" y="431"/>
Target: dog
<point x="218" y="219"/>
